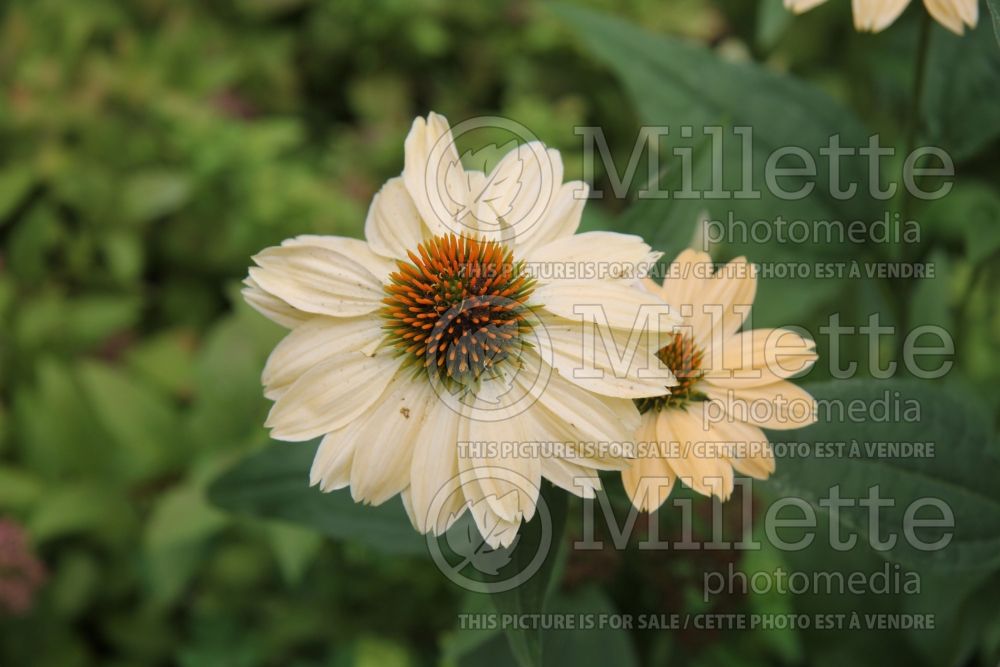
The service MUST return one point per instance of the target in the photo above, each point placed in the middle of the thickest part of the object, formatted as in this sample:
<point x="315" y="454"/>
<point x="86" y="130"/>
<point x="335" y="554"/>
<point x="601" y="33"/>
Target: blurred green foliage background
<point x="149" y="148"/>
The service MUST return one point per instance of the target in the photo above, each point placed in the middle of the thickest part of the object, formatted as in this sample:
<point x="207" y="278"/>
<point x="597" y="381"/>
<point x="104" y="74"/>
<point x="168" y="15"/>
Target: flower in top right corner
<point x="731" y="384"/>
<point x="877" y="15"/>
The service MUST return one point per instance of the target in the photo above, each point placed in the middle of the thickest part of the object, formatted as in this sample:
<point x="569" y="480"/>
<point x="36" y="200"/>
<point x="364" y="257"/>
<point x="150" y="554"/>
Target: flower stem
<point x="903" y="287"/>
<point x="916" y="116"/>
<point x="919" y="77"/>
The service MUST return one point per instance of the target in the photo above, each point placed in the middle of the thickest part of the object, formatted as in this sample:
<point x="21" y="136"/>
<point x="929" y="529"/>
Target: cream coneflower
<point x="877" y="15"/>
<point x="730" y="385"/>
<point x="434" y="332"/>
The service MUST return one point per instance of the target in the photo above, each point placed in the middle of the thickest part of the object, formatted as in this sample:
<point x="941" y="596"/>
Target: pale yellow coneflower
<point x="433" y="332"/>
<point x="877" y="15"/>
<point x="730" y="385"/>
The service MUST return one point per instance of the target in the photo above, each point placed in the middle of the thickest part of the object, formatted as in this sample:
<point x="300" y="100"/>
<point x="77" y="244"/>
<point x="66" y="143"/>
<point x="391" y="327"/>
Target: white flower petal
<point x="539" y="426"/>
<point x="578" y="480"/>
<point x="317" y="280"/>
<point x="683" y="430"/>
<point x="407" y="500"/>
<point x="356" y="249"/>
<point x="734" y="287"/>
<point x="434" y="471"/>
<point x="952" y="14"/>
<point x="752" y="454"/>
<point x="713" y="304"/>
<point x="519" y="192"/>
<point x="271" y="307"/>
<point x="759" y="357"/>
<point x="684" y="278"/>
<point x="507" y="480"/>
<point x="800" y="6"/>
<point x="611" y="303"/>
<point x="495" y="531"/>
<point x="314" y="342"/>
<point x="777" y="406"/>
<point x="649" y="479"/>
<point x="330" y="395"/>
<point x="382" y="462"/>
<point x="434" y="175"/>
<point x="586" y="418"/>
<point x="393" y="225"/>
<point x="876" y="15"/>
<point x="609" y="254"/>
<point x="969" y="11"/>
<point x="560" y="221"/>
<point x="331" y="468"/>
<point x="612" y="362"/>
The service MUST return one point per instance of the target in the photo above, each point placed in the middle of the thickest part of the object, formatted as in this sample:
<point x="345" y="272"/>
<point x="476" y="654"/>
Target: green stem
<point x="919" y="78"/>
<point x="962" y="312"/>
<point x="914" y="122"/>
<point x="916" y="107"/>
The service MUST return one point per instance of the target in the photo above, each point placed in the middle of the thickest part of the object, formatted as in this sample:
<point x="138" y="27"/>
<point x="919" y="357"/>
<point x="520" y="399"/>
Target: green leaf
<point x="181" y="523"/>
<point x="53" y="322"/>
<point x="30" y="243"/>
<point x="93" y="318"/>
<point x="274" y="484"/>
<point x="372" y="652"/>
<point x="931" y="299"/>
<point x="669" y="225"/>
<point x="596" y="646"/>
<point x="783" y="641"/>
<point x="154" y="193"/>
<point x="88" y="508"/>
<point x="19" y="489"/>
<point x="599" y="646"/>
<point x="960" y="106"/>
<point x="295" y="549"/>
<point x="43" y="438"/>
<point x="970" y="213"/>
<point x="15" y="182"/>
<point x="994" y="6"/>
<point x="142" y="423"/>
<point x="673" y="83"/>
<point x="123" y="253"/>
<point x="772" y="20"/>
<point x="229" y="402"/>
<point x="464" y="645"/>
<point x="962" y="607"/>
<point x="530" y="596"/>
<point x="835" y="646"/>
<point x="75" y="583"/>
<point x="166" y="361"/>
<point x="962" y="472"/>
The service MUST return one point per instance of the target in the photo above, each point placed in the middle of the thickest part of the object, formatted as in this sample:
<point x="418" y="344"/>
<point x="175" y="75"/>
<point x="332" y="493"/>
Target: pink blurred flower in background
<point x="21" y="573"/>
